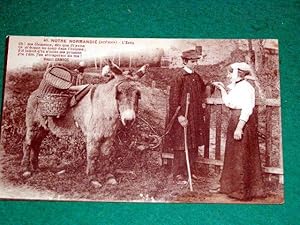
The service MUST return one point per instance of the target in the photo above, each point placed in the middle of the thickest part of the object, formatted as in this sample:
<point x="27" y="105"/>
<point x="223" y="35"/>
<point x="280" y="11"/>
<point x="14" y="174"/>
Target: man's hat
<point x="191" y="54"/>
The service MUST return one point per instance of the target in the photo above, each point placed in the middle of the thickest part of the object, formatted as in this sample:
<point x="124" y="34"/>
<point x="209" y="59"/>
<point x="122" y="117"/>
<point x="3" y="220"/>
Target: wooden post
<point x="119" y="59"/>
<point x="207" y="137"/>
<point x="259" y="51"/>
<point x="95" y="60"/>
<point x="268" y="136"/>
<point x="218" y="136"/>
<point x="281" y="178"/>
<point x="166" y="162"/>
<point x="268" y="143"/>
<point x="100" y="65"/>
<point x="167" y="103"/>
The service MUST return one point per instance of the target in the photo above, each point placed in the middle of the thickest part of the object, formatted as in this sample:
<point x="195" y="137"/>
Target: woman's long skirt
<point x="242" y="172"/>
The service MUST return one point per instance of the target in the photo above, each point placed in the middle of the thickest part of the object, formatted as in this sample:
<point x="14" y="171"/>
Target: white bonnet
<point x="245" y="67"/>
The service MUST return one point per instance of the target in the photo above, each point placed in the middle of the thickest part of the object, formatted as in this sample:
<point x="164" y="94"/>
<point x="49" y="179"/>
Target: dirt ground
<point x="133" y="186"/>
<point x="135" y="162"/>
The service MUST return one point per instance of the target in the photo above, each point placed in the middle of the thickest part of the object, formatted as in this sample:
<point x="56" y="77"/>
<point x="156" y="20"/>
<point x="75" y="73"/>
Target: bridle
<point x="116" y="88"/>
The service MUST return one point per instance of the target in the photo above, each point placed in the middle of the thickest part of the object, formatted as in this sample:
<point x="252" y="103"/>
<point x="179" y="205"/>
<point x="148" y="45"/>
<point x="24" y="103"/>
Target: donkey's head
<point x="127" y="97"/>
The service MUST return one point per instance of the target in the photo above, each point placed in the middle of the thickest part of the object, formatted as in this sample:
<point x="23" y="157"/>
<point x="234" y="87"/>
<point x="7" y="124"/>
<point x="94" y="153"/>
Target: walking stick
<point x="186" y="144"/>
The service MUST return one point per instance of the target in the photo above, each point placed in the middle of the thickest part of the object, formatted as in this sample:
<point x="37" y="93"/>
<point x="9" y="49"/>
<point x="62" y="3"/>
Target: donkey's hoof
<point x="26" y="174"/>
<point x="112" y="181"/>
<point x="96" y="184"/>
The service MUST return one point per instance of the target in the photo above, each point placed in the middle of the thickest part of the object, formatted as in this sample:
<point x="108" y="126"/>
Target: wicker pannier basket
<point x="54" y="104"/>
<point x="58" y="77"/>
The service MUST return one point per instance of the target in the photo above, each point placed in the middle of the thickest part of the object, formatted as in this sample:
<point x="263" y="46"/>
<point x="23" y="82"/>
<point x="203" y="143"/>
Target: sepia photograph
<point x="141" y="120"/>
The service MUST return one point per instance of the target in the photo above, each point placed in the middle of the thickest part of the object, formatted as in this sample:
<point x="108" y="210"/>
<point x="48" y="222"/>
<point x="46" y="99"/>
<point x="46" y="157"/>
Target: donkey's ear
<point x="140" y="72"/>
<point x="114" y="67"/>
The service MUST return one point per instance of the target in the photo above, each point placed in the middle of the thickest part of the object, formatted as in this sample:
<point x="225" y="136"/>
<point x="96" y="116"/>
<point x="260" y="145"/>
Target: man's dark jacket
<point x="182" y="84"/>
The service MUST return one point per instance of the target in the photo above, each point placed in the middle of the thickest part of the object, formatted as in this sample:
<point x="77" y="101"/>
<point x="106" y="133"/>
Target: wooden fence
<point x="270" y="105"/>
<point x="213" y="157"/>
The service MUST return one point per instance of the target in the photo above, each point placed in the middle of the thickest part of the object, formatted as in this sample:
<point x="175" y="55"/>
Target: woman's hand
<point x="221" y="87"/>
<point x="238" y="133"/>
<point x="183" y="121"/>
<point x="239" y="130"/>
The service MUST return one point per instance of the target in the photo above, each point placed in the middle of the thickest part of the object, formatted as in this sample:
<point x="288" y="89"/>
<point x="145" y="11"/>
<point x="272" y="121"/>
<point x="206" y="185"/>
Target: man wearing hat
<point x="80" y="70"/>
<point x="185" y="81"/>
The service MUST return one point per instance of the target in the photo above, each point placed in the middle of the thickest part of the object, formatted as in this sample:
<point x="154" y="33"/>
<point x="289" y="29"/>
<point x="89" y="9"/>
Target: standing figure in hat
<point x="80" y="70"/>
<point x="242" y="172"/>
<point x="185" y="81"/>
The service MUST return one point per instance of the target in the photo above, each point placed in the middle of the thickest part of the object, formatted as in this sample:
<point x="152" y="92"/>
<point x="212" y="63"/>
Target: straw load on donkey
<point x="98" y="110"/>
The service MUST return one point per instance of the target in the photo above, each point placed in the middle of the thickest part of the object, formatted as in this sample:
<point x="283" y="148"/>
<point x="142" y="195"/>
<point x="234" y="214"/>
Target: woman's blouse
<point x="242" y="96"/>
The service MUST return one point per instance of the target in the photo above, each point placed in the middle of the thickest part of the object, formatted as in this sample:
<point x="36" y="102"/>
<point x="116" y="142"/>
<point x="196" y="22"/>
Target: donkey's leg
<point x="26" y="157"/>
<point x="92" y="149"/>
<point x="106" y="149"/>
<point x="36" y="143"/>
<point x="27" y="149"/>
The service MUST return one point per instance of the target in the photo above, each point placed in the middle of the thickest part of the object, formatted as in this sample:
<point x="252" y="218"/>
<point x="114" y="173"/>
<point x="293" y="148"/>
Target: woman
<point x="242" y="173"/>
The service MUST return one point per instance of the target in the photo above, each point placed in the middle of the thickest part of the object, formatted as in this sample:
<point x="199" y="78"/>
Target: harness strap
<point x="169" y="126"/>
<point x="59" y="77"/>
<point x="79" y="95"/>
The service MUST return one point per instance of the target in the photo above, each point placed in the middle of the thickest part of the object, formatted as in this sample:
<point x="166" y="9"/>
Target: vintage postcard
<point x="141" y="120"/>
